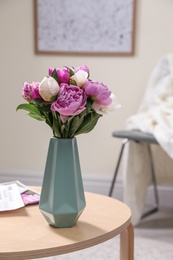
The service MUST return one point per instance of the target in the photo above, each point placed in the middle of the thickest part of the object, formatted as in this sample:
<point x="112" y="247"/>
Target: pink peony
<point x="83" y="67"/>
<point x="50" y="71"/>
<point x="98" y="92"/>
<point x="35" y="90"/>
<point x="30" y="91"/>
<point x="71" y="101"/>
<point x="63" y="75"/>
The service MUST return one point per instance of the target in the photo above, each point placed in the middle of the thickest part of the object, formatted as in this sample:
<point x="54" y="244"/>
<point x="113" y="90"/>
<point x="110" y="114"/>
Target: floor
<point x="153" y="240"/>
<point x="158" y="226"/>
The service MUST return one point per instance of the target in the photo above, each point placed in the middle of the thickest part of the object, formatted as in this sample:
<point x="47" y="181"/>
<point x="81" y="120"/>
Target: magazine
<point x="14" y="195"/>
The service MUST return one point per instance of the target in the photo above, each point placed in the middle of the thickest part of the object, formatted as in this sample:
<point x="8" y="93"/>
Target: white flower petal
<point x="80" y="77"/>
<point x="100" y="109"/>
<point x="48" y="88"/>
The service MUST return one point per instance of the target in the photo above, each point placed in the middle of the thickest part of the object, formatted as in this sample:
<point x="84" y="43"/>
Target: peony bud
<point x="80" y="77"/>
<point x="48" y="88"/>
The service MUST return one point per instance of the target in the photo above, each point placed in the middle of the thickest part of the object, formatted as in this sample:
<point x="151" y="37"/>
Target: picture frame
<point x="87" y="27"/>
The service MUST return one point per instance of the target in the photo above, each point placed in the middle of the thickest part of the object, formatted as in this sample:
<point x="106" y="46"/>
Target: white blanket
<point x="155" y="116"/>
<point x="156" y="112"/>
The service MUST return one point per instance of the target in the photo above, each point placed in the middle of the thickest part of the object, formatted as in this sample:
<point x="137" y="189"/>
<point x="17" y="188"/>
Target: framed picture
<point x="85" y="27"/>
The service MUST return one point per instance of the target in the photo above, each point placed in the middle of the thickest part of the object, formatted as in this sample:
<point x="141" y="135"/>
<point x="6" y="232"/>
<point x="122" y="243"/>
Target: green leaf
<point x="48" y="118"/>
<point x="42" y="105"/>
<point x="88" y="104"/>
<point x="36" y="116"/>
<point x="72" y="82"/>
<point x="65" y="128"/>
<point x="89" y="123"/>
<point x="28" y="107"/>
<point x="33" y="111"/>
<point x="75" y="124"/>
<point x="56" y="125"/>
<point x="45" y="108"/>
<point x="71" y="72"/>
<point x="38" y="101"/>
<point x="63" y="131"/>
<point x="55" y="76"/>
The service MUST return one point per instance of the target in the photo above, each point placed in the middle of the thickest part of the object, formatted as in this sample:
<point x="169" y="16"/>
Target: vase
<point x="62" y="197"/>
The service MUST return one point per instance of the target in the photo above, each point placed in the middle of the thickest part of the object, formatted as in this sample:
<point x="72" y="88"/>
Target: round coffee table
<point x="26" y="235"/>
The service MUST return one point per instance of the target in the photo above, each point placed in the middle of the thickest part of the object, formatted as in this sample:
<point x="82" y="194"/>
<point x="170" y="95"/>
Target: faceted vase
<point x="62" y="196"/>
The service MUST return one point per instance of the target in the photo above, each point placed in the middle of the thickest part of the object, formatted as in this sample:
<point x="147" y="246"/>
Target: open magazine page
<point x="30" y="197"/>
<point x="14" y="195"/>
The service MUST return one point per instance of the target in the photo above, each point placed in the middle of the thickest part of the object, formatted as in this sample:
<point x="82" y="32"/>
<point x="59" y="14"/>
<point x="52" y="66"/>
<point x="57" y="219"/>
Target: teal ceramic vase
<point x="62" y="196"/>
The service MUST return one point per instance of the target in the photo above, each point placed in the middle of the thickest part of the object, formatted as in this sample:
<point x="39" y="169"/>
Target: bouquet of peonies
<point x="68" y="101"/>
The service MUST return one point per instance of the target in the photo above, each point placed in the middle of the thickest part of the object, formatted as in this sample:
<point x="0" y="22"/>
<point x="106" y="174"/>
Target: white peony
<point x="80" y="77"/>
<point x="48" y="88"/>
<point x="101" y="109"/>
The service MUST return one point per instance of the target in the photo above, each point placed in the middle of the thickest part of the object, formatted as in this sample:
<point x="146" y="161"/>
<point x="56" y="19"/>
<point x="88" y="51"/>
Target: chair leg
<point x="156" y="196"/>
<point x="117" y="166"/>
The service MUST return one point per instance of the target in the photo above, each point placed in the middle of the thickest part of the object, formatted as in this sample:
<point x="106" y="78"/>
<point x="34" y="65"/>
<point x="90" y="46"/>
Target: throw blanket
<point x="155" y="116"/>
<point x="156" y="112"/>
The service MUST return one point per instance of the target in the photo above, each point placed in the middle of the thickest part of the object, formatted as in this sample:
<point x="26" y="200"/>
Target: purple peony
<point x="83" y="67"/>
<point x="71" y="101"/>
<point x="63" y="75"/>
<point x="98" y="92"/>
<point x="27" y="92"/>
<point x="50" y="71"/>
<point x="30" y="91"/>
<point x="35" y="90"/>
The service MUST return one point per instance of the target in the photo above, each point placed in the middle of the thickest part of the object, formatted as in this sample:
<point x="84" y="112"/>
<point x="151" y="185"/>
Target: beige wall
<point x="24" y="141"/>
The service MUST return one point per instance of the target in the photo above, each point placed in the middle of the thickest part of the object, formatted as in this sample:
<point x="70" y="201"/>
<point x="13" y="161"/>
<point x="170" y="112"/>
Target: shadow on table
<point x="82" y="231"/>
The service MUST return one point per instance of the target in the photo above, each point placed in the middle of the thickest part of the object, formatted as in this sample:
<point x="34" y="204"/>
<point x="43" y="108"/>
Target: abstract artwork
<point x="85" y="27"/>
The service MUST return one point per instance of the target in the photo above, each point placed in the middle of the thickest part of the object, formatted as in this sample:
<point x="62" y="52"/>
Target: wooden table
<point x="24" y="233"/>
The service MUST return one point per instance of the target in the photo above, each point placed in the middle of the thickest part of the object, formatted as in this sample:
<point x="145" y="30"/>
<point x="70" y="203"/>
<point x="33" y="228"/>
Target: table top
<point x="25" y="234"/>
